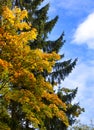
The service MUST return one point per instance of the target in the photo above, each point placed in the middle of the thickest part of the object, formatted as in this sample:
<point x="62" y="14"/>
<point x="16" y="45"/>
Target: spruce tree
<point x="39" y="19"/>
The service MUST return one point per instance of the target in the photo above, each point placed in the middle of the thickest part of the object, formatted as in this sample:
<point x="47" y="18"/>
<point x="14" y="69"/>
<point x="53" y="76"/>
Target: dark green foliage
<point x="73" y="110"/>
<point x="61" y="70"/>
<point x="54" y="45"/>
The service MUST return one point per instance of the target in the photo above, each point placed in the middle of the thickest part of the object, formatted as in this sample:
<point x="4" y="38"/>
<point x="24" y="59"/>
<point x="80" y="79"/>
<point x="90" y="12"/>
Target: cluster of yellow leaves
<point x="53" y="98"/>
<point x="4" y="64"/>
<point x="15" y="16"/>
<point x="23" y="64"/>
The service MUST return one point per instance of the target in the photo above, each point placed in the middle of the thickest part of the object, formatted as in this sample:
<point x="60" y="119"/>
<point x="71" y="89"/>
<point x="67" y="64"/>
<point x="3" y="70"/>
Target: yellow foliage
<point x="8" y="14"/>
<point x="53" y="98"/>
<point x="26" y="83"/>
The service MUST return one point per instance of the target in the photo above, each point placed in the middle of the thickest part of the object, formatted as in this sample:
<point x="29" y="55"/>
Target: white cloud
<point x="84" y="33"/>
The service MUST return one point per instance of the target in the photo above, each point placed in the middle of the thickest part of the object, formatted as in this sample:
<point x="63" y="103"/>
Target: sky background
<point x="76" y="19"/>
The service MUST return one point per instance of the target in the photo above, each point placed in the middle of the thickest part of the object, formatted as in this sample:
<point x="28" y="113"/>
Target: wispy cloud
<point x="72" y="7"/>
<point x="84" y="33"/>
<point x="82" y="77"/>
<point x="76" y="5"/>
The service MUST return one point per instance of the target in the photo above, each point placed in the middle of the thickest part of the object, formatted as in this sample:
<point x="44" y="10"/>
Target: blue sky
<point x="76" y="19"/>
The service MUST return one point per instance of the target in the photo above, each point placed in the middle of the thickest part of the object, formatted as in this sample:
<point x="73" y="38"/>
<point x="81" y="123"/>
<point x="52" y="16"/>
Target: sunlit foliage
<point x="21" y="73"/>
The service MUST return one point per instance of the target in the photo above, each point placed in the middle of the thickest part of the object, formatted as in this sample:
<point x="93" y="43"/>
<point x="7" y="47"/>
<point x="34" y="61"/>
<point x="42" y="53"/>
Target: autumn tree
<point x="39" y="19"/>
<point x="23" y="88"/>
